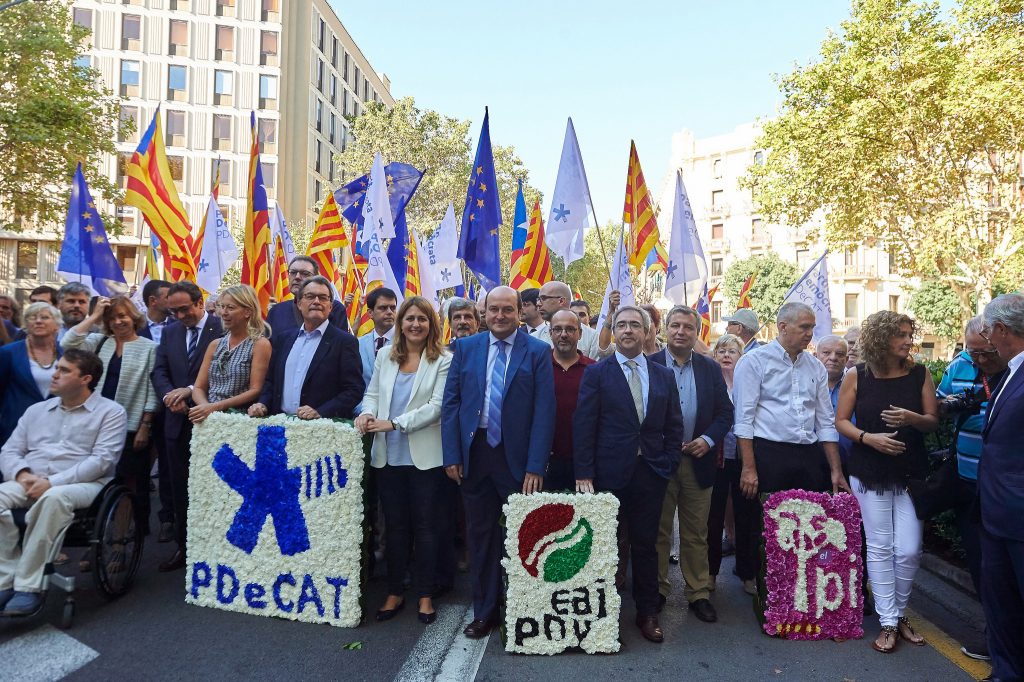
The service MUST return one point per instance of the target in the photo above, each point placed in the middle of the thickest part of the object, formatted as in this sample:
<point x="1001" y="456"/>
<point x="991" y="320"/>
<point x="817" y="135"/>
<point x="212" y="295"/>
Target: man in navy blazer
<point x="178" y="359"/>
<point x="1001" y="494"/>
<point x="628" y="440"/>
<point x="315" y="371"/>
<point x="707" y="417"/>
<point x="285" y="317"/>
<point x="497" y="425"/>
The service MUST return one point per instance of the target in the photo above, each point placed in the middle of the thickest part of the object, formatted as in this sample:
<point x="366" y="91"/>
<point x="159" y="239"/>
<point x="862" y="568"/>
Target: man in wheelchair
<point x="61" y="454"/>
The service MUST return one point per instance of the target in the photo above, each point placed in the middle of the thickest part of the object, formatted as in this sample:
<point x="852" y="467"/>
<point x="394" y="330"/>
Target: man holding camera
<point x="964" y="392"/>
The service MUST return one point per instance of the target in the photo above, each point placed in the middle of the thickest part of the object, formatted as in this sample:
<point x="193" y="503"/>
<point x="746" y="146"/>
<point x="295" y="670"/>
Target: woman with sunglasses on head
<point x="234" y="365"/>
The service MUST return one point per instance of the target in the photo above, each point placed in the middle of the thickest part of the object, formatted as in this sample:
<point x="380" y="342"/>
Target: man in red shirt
<point x="568" y="364"/>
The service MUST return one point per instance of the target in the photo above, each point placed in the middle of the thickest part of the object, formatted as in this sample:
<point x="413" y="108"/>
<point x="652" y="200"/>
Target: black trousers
<point x="970" y="529"/>
<point x="560" y="475"/>
<point x="640" y="505"/>
<point x="745" y="512"/>
<point x="133" y="469"/>
<point x="159" y="440"/>
<point x="1002" y="596"/>
<point x="410" y="500"/>
<point x="484" y="492"/>
<point x="178" y="455"/>
<point x="448" y="530"/>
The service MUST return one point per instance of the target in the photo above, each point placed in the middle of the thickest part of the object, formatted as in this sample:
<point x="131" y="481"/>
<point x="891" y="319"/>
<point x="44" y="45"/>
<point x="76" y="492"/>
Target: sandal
<point x="889" y="633"/>
<point x="906" y="631"/>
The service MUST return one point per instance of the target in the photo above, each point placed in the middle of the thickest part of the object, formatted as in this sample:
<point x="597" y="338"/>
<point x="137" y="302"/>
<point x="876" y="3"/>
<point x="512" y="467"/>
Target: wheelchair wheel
<point x="68" y="615"/>
<point x="117" y="544"/>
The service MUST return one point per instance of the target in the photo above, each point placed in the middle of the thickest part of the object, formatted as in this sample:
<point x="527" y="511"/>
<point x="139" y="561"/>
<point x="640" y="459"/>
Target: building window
<point x="758" y="158"/>
<point x="716" y="312"/>
<point x="83" y="62"/>
<point x="177" y="80"/>
<point x="28" y="260"/>
<point x="755" y="227"/>
<point x="318" y="163"/>
<point x="334" y="51"/>
<point x="357" y="77"/>
<point x="123" y="159"/>
<point x="330" y="167"/>
<point x="131" y="32"/>
<point x="271" y="8"/>
<point x="320" y="75"/>
<point x="178" y="38"/>
<point x="345" y="98"/>
<point x="82" y="17"/>
<point x="333" y="125"/>
<point x="849" y="258"/>
<point x="126" y="257"/>
<point x="225" y="8"/>
<point x="316" y="191"/>
<point x="319" y="115"/>
<point x="128" y="130"/>
<point x="268" y="135"/>
<point x="716" y="267"/>
<point x="717" y="231"/>
<point x="268" y="89"/>
<point x="344" y="73"/>
<point x="176" y="129"/>
<point x="852" y="306"/>
<point x="177" y="166"/>
<point x="334" y="90"/>
<point x="129" y="77"/>
<point x="221" y="131"/>
<point x="803" y="258"/>
<point x="268" y="48"/>
<point x="894" y="303"/>
<point x="224" y="167"/>
<point x="320" y="31"/>
<point x="225" y="42"/>
<point x="223" y="87"/>
<point x="716" y="168"/>
<point x="717" y="198"/>
<point x="270" y="175"/>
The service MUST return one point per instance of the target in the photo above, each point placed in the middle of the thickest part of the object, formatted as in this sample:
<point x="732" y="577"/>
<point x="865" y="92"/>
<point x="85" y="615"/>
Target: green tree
<point x="936" y="306"/>
<point x="774" y="278"/>
<point x="440" y="145"/>
<point x="907" y="132"/>
<point x="589" y="275"/>
<point x="53" y="114"/>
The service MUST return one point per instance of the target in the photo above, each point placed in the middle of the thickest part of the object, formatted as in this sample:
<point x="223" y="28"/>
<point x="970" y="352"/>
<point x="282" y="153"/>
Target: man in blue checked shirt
<point x="964" y="393"/>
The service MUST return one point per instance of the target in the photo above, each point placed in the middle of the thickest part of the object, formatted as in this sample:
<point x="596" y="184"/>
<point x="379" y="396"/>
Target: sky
<point x="623" y="70"/>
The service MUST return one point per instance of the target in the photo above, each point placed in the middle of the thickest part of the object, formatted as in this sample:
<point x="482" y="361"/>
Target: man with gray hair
<point x="73" y="303"/>
<point x="744" y="324"/>
<point x="555" y="296"/>
<point x="852" y="353"/>
<point x="463" y="318"/>
<point x="1001" y="493"/>
<point x="785" y="425"/>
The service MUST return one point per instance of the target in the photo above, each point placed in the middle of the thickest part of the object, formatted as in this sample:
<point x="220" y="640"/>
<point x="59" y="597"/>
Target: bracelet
<point x="861" y="439"/>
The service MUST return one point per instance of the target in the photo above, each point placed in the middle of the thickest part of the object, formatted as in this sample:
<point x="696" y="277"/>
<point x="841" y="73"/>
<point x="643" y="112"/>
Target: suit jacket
<point x="1001" y="470"/>
<point x="714" y="409"/>
<point x="367" y="355"/>
<point x="607" y="434"/>
<point x="421" y="419"/>
<point x="18" y="390"/>
<point x="173" y="369"/>
<point x="527" y="409"/>
<point x="284" y="317"/>
<point x="333" y="385"/>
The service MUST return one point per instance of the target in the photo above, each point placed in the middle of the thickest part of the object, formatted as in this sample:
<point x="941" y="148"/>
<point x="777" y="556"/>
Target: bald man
<point x="555" y="296"/>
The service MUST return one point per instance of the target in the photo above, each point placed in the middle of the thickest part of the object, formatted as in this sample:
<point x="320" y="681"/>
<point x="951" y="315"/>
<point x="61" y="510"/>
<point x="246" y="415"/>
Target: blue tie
<point x="193" y="341"/>
<point x="497" y="395"/>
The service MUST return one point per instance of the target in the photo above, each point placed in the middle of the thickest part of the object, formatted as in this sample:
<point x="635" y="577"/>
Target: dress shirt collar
<point x="640" y="360"/>
<point x="153" y="323"/>
<point x="89" y="405"/>
<point x="322" y="328"/>
<point x="675" y="362"/>
<point x="492" y="339"/>
<point x="202" y="322"/>
<point x="389" y="334"/>
<point x="1015" y="362"/>
<point x="776" y="347"/>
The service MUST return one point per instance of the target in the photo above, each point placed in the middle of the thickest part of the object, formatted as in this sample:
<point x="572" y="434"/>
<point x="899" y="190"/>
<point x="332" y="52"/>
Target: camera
<point x="969" y="402"/>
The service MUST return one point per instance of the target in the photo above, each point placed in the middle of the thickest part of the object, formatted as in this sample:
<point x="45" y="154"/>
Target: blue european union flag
<point x="85" y="255"/>
<point x="403" y="179"/>
<point x="397" y="252"/>
<point x="481" y="218"/>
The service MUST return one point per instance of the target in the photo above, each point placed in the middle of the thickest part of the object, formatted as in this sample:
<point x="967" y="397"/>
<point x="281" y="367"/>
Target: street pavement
<point x="151" y="634"/>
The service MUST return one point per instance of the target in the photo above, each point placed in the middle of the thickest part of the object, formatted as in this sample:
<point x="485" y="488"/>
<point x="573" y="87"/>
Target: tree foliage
<point x="441" y="145"/>
<point x="907" y="132"/>
<point x="53" y="114"/>
<point x="774" y="278"/>
<point x="936" y="306"/>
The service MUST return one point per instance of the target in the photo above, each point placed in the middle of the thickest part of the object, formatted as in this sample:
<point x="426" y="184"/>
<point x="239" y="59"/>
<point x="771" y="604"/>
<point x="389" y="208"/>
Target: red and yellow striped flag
<point x="412" y="268"/>
<point x="534" y="266"/>
<point x="638" y="212"/>
<point x="281" y="290"/>
<point x="255" y="268"/>
<point x="328" y="235"/>
<point x="745" y="292"/>
<point x="151" y="190"/>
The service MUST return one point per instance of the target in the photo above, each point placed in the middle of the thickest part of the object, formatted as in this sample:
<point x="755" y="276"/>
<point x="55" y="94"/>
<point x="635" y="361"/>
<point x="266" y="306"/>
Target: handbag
<point x="938" y="492"/>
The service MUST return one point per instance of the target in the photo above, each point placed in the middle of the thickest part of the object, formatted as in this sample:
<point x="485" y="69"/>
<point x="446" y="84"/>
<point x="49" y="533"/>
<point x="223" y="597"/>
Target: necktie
<point x="378" y="344"/>
<point x="636" y="388"/>
<point x="193" y="341"/>
<point x="497" y="395"/>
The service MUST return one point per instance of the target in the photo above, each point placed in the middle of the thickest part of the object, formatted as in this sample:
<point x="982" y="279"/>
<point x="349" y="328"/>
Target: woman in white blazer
<point x="402" y="407"/>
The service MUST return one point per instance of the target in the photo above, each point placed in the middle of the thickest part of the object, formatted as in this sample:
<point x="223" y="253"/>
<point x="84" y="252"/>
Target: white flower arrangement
<point x="562" y="557"/>
<point x="275" y="521"/>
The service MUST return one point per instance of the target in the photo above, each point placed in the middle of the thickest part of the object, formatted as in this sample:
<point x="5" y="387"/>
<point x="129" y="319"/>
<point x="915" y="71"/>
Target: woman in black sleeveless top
<point x="894" y="402"/>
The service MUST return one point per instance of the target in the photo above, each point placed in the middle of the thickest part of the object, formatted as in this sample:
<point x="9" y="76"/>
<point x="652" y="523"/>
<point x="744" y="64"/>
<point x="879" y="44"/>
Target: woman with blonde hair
<point x="27" y="366"/>
<point x="402" y="408"/>
<point x="234" y="365"/>
<point x="894" y="402"/>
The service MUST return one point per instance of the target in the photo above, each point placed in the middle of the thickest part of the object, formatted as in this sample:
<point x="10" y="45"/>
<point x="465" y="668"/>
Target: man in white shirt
<point x="154" y="295"/>
<point x="57" y="460"/>
<point x="534" y="323"/>
<point x="555" y="296"/>
<point x="383" y="304"/>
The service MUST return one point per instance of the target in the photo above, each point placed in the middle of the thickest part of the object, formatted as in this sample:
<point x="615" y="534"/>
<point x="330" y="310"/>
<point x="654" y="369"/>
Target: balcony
<point x="718" y="245"/>
<point x="841" y="324"/>
<point x="859" y="271"/>
<point x="803" y="234"/>
<point x="718" y="211"/>
<point x="759" y="241"/>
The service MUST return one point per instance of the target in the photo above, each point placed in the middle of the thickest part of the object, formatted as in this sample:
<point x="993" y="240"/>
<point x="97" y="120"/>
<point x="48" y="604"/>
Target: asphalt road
<point x="151" y="634"/>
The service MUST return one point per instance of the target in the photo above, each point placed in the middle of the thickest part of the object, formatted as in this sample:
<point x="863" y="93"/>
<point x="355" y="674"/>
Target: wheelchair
<point x="114" y="540"/>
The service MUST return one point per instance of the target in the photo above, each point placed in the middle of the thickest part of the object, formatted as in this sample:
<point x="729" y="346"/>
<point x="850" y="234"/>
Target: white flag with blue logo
<point x="687" y="271"/>
<point x="570" y="202"/>
<point x="377" y="217"/>
<point x="219" y="251"/>
<point x="812" y="289"/>
<point x="442" y="254"/>
<point x="620" y="281"/>
<point x="278" y="227"/>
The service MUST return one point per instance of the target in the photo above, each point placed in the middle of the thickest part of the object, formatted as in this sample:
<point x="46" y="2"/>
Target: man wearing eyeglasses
<point x="285" y="316"/>
<point x="964" y="393"/>
<point x="315" y="371"/>
<point x="555" y="296"/>
<point x="568" y="364"/>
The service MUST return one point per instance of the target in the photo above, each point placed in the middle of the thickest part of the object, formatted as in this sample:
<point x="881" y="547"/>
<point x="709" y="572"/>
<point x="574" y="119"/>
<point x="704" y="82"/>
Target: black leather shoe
<point x="478" y="629"/>
<point x="388" y="614"/>
<point x="650" y="629"/>
<point x="166" y="532"/>
<point x="175" y="563"/>
<point x="703" y="609"/>
<point x="427" y="618"/>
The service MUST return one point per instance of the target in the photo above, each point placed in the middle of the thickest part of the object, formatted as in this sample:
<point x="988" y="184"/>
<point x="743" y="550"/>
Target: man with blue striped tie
<point x="497" y="424"/>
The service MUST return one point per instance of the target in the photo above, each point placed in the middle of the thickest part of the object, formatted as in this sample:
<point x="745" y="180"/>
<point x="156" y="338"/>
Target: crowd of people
<point x="532" y="393"/>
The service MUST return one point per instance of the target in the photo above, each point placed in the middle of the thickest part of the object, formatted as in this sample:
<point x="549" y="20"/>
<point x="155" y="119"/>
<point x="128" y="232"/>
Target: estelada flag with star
<point x="703" y="308"/>
<point x="85" y="253"/>
<point x="745" y="292"/>
<point x="638" y="213"/>
<point x="255" y="270"/>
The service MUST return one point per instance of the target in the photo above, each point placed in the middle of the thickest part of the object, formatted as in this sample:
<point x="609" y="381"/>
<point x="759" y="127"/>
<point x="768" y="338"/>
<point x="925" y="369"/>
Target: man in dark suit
<point x="1001" y="494"/>
<point x="707" y="417"/>
<point x="178" y="358"/>
<point x="497" y="424"/>
<point x="314" y="372"/>
<point x="628" y="439"/>
<point x="285" y="316"/>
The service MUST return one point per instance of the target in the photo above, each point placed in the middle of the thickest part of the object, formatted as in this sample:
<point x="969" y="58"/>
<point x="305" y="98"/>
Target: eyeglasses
<point x="300" y="273"/>
<point x="323" y="298"/>
<point x="546" y="297"/>
<point x="629" y="324"/>
<point x="558" y="331"/>
<point x="180" y="310"/>
<point x="980" y="353"/>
